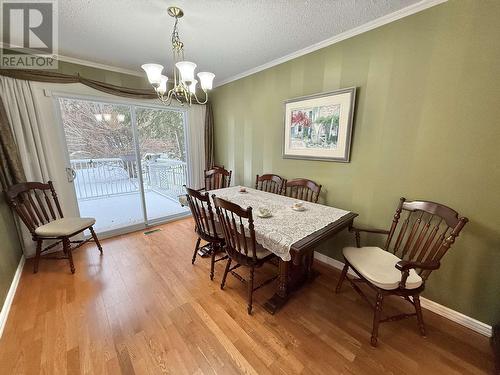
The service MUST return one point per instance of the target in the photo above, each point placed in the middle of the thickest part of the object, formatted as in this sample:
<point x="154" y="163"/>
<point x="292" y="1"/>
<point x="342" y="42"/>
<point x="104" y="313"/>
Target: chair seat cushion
<point x="379" y="267"/>
<point x="64" y="226"/>
<point x="260" y="251"/>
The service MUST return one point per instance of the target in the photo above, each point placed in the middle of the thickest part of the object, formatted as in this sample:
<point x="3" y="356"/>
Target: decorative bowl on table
<point x="243" y="189"/>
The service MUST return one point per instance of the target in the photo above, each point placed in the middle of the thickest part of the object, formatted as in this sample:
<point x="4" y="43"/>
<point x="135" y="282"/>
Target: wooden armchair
<point x="205" y="226"/>
<point x="217" y="178"/>
<point x="407" y="259"/>
<point x="303" y="189"/>
<point x="239" y="234"/>
<point x="37" y="205"/>
<point x="271" y="183"/>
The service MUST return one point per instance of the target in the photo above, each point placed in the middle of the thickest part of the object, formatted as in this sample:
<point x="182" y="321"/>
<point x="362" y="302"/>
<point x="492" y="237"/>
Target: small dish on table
<point x="243" y="190"/>
<point x="263" y="212"/>
<point x="298" y="206"/>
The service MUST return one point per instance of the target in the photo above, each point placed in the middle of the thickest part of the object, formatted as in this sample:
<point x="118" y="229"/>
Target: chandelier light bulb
<point x="153" y="72"/>
<point x="206" y="80"/>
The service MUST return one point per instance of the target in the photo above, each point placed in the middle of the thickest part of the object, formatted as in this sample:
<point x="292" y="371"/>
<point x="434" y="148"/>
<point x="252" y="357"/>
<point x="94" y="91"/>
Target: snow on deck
<point x="122" y="210"/>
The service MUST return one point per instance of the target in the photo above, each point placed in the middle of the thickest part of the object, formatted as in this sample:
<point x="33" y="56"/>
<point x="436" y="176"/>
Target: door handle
<point x="70" y="174"/>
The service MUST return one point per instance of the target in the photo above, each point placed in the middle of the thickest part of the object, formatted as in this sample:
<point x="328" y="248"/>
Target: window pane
<point x="101" y="148"/>
<point x="163" y="158"/>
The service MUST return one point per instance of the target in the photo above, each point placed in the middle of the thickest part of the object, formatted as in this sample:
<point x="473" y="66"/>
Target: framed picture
<point x="318" y="127"/>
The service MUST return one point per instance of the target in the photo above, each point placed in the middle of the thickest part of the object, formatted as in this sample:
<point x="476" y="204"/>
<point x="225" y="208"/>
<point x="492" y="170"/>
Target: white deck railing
<point x="96" y="178"/>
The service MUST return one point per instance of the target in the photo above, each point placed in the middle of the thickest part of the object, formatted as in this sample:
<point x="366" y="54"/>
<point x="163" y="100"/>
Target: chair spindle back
<point x="303" y="189"/>
<point x="217" y="178"/>
<point x="201" y="209"/>
<point x="426" y="232"/>
<point x="238" y="229"/>
<point x="270" y="183"/>
<point x="36" y="203"/>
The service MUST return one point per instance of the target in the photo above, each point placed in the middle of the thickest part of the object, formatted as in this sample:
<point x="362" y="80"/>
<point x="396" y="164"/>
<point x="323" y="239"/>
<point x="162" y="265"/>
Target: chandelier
<point x="184" y="89"/>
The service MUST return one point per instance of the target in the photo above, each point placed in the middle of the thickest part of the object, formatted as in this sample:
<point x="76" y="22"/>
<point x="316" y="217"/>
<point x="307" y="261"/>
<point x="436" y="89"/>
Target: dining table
<point x="291" y="232"/>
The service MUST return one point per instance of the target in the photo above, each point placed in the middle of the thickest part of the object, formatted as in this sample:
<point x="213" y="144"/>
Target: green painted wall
<point x="10" y="247"/>
<point x="426" y="127"/>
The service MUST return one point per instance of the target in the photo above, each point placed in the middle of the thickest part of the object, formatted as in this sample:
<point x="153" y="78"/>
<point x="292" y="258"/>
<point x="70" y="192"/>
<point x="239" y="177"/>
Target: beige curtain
<point x="24" y="120"/>
<point x="196" y="149"/>
<point x="25" y="125"/>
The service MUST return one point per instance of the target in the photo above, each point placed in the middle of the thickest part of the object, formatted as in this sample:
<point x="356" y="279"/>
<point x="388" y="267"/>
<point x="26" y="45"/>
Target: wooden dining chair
<point x="411" y="252"/>
<point x="241" y="247"/>
<point x="38" y="207"/>
<point x="271" y="183"/>
<point x="303" y="189"/>
<point x="206" y="227"/>
<point x="217" y="178"/>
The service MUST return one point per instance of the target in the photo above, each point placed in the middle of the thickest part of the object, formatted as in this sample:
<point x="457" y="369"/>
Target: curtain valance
<point x="127" y="92"/>
<point x="55" y="77"/>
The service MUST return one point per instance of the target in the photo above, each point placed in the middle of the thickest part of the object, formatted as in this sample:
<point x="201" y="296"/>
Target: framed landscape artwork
<point x="318" y="127"/>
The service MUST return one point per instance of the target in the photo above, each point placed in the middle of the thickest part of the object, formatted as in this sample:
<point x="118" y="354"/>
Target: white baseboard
<point x="457" y="317"/>
<point x="331" y="262"/>
<point x="446" y="312"/>
<point x="4" y="314"/>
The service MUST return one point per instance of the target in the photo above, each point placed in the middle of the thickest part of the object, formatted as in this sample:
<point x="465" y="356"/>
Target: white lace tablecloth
<point x="286" y="226"/>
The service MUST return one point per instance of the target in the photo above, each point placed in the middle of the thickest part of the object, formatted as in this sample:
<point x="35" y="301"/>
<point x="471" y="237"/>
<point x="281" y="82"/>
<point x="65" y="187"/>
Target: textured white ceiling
<point x="226" y="37"/>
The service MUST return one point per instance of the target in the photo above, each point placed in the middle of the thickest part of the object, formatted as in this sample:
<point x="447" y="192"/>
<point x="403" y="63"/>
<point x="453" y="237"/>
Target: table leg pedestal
<point x="293" y="275"/>
<point x="281" y="296"/>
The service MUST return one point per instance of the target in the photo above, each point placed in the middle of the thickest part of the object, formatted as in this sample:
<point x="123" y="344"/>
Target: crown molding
<point x="384" y="20"/>
<point x="92" y="64"/>
<point x="74" y="60"/>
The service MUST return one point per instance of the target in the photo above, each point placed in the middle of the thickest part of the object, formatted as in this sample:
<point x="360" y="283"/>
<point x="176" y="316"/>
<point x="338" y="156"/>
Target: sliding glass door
<point x="127" y="162"/>
<point x="163" y="154"/>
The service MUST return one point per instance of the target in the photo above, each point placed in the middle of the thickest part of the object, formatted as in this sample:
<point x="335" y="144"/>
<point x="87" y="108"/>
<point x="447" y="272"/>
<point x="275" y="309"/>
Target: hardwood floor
<point x="144" y="309"/>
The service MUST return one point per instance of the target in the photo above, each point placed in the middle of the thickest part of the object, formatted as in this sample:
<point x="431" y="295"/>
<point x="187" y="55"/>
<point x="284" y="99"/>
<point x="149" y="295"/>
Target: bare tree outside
<point x="161" y="131"/>
<point x="99" y="130"/>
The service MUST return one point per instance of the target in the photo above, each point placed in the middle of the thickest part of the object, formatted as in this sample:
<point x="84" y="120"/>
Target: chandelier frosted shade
<point x="153" y="71"/>
<point x="192" y="86"/>
<point x="186" y="68"/>
<point x="162" y="89"/>
<point x="206" y="80"/>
